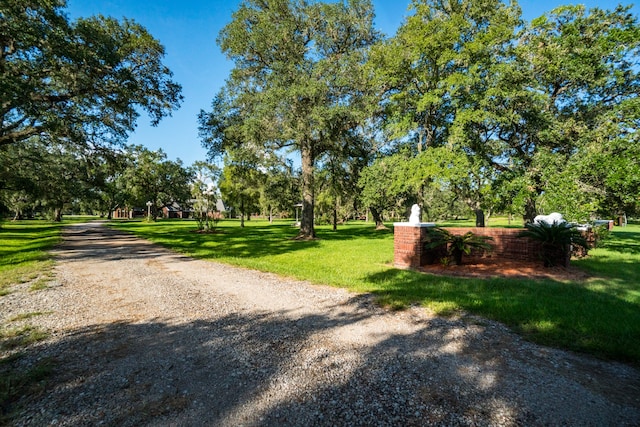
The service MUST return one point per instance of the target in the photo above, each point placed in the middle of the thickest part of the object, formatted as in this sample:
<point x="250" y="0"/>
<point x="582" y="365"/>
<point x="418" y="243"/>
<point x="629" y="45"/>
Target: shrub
<point x="600" y="234"/>
<point x="557" y="239"/>
<point x="456" y="246"/>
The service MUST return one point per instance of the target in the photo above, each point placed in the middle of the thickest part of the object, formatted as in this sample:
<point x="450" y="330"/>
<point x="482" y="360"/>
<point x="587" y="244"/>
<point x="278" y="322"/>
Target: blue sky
<point x="188" y="29"/>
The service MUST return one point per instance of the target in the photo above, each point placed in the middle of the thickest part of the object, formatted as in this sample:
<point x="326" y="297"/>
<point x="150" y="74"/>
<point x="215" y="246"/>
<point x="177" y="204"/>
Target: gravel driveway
<point x="143" y="336"/>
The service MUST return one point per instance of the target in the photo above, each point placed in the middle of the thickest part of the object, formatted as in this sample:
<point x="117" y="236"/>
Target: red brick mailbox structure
<point x="407" y="244"/>
<point x="408" y="251"/>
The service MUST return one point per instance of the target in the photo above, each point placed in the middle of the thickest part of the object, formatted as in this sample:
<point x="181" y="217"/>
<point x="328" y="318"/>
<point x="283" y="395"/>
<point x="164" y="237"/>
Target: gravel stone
<point x="143" y="336"/>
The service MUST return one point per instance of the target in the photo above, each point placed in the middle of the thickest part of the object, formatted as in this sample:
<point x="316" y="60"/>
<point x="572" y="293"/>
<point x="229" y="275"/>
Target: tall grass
<point x="600" y="316"/>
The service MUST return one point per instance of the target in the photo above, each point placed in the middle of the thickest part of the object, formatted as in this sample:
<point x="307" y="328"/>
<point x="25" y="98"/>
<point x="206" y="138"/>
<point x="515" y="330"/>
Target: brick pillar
<point x="407" y="244"/>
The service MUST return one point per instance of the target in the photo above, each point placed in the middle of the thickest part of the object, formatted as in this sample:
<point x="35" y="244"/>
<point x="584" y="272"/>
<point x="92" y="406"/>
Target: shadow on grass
<point x="237" y="242"/>
<point x="19" y="245"/>
<point x="618" y="260"/>
<point x="567" y="315"/>
<point x="252" y="241"/>
<point x="615" y="269"/>
<point x="358" y="231"/>
<point x="274" y="369"/>
<point x="624" y="242"/>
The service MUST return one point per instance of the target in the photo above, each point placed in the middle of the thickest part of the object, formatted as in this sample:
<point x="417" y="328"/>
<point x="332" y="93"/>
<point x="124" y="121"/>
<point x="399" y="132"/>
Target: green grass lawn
<point x="24" y="257"/>
<point x="600" y="316"/>
<point x="24" y="246"/>
<point x="23" y="250"/>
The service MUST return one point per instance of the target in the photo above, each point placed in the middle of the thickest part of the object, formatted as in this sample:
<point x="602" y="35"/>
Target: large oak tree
<point x="83" y="81"/>
<point x="298" y="81"/>
<point x="436" y="72"/>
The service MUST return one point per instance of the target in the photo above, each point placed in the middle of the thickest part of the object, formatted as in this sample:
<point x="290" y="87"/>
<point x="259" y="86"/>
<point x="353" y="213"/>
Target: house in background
<point x="125" y="212"/>
<point x="171" y="210"/>
<point x="220" y="207"/>
<point x="218" y="211"/>
<point x="175" y="210"/>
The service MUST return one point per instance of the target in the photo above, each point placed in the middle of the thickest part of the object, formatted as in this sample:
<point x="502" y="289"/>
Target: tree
<point x="83" y="81"/>
<point x="109" y="182"/>
<point x="18" y="190"/>
<point x="204" y="194"/>
<point x="151" y="177"/>
<point x="298" y="82"/>
<point x="240" y="182"/>
<point x="46" y="175"/>
<point x="280" y="190"/>
<point x="571" y="74"/>
<point x="383" y="185"/>
<point x="339" y="172"/>
<point x="606" y="167"/>
<point x="437" y="70"/>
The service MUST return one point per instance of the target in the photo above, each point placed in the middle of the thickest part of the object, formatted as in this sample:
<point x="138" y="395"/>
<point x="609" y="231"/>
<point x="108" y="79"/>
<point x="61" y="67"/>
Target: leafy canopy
<point x="81" y="81"/>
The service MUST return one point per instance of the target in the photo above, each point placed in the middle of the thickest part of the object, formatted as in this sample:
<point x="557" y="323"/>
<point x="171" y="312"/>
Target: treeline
<point x="466" y="109"/>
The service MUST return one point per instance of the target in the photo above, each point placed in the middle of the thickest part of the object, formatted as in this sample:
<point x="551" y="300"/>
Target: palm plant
<point x="456" y="246"/>
<point x="557" y="239"/>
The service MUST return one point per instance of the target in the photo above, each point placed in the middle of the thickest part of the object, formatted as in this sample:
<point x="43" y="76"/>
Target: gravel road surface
<point x="143" y="336"/>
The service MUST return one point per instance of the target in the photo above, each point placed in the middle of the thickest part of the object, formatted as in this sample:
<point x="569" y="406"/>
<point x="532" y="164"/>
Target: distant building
<point x="125" y="212"/>
<point x="175" y="210"/>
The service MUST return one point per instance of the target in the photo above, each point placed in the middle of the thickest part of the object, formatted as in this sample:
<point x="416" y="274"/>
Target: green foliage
<point x="601" y="234"/>
<point x="564" y="192"/>
<point x="70" y="91"/>
<point x="204" y="194"/>
<point x="437" y="63"/>
<point x="241" y="181"/>
<point x="42" y="175"/>
<point x="298" y="82"/>
<point x="456" y="245"/>
<point x="280" y="190"/>
<point x="391" y="182"/>
<point x="582" y="67"/>
<point x="383" y="184"/>
<point x="439" y="72"/>
<point x="556" y="233"/>
<point x="149" y="176"/>
<point x="87" y="79"/>
<point x="547" y="111"/>
<point x="556" y="239"/>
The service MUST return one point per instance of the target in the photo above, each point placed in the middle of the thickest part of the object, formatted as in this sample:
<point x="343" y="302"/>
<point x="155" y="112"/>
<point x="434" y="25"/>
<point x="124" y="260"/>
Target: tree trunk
<point x="57" y="214"/>
<point x="242" y="212"/>
<point x="307" y="230"/>
<point x="335" y="218"/>
<point x="479" y="218"/>
<point x="377" y="218"/>
<point x="154" y="210"/>
<point x="530" y="210"/>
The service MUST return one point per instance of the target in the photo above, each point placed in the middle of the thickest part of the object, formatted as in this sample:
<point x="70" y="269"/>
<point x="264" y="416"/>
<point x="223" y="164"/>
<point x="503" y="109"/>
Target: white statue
<point x="552" y="218"/>
<point x="415" y="215"/>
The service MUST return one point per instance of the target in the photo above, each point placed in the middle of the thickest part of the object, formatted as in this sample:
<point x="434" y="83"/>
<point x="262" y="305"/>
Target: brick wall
<point x="407" y="245"/>
<point x="409" y="253"/>
<point x="505" y="243"/>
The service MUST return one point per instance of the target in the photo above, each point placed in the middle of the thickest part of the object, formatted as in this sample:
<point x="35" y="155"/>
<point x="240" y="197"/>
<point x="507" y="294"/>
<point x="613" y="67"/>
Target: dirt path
<point x="142" y="336"/>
